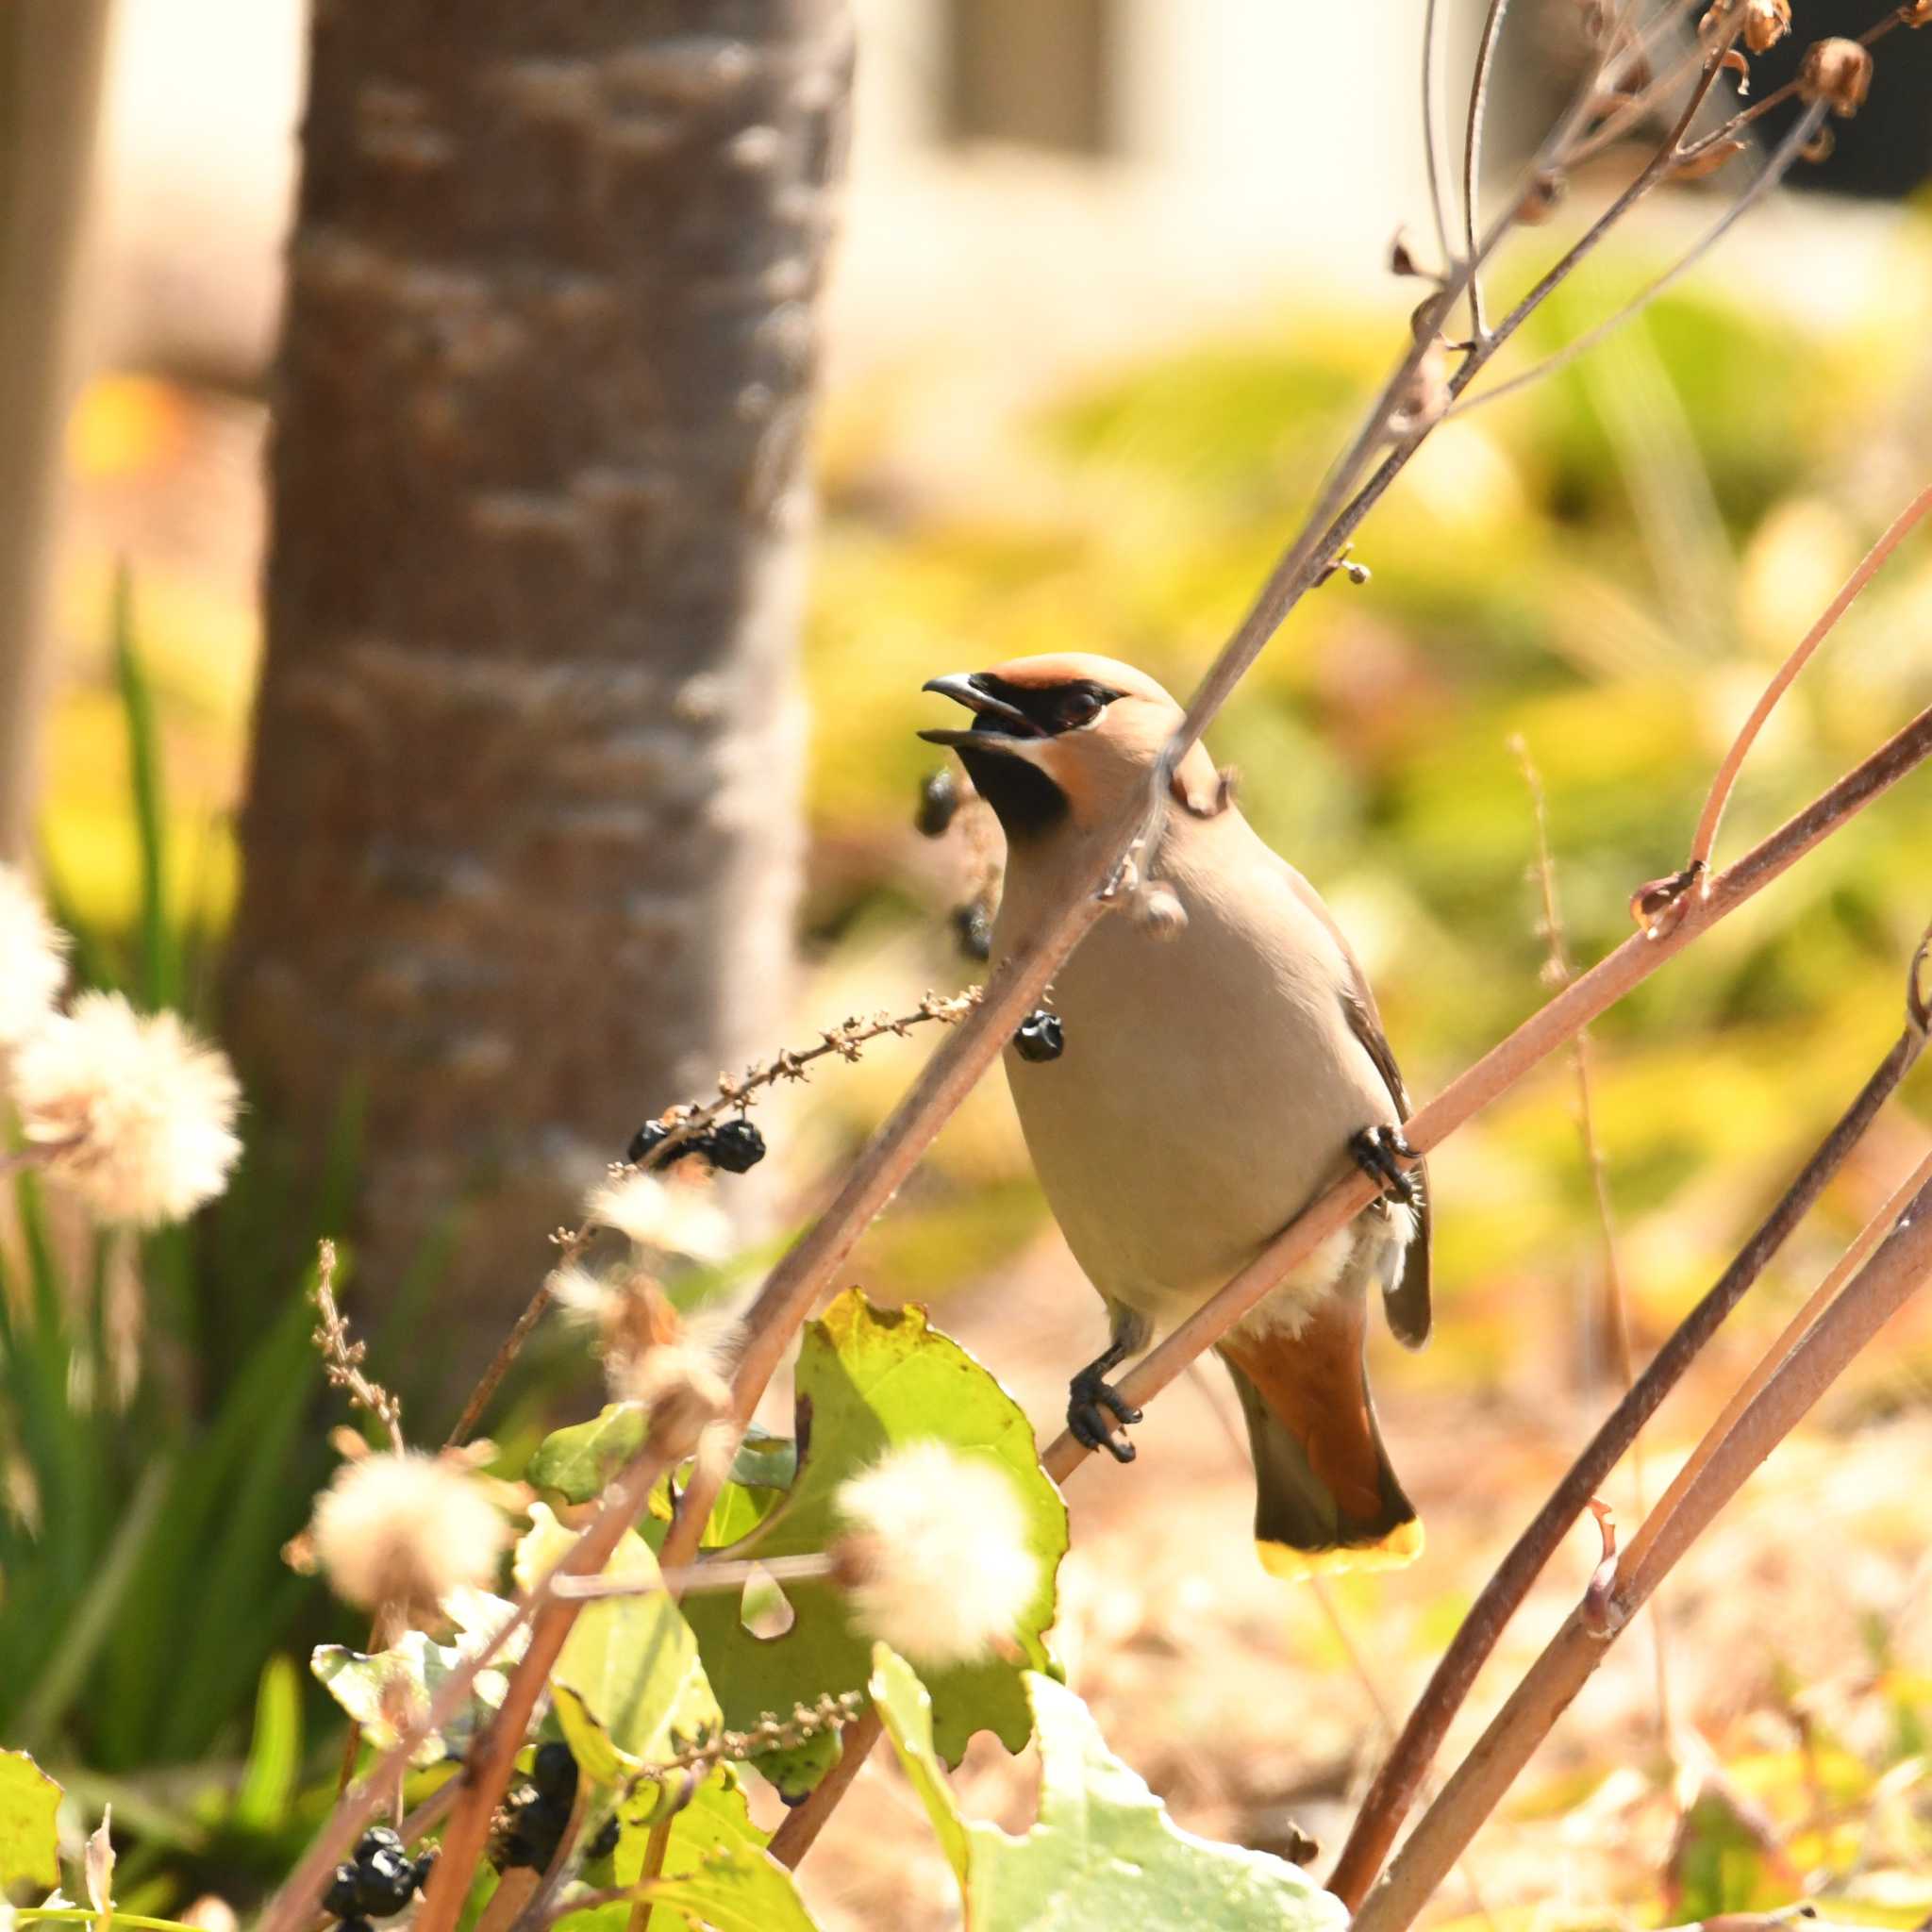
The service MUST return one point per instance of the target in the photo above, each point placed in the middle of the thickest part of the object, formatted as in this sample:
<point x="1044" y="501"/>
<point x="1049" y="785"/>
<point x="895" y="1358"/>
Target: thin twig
<point x="1762" y="183"/>
<point x="800" y="1826"/>
<point x="1473" y="154"/>
<point x="848" y="1041"/>
<point x="718" y="1573"/>
<point x="1610" y="1323"/>
<point x="342" y="1356"/>
<point x="1880" y="1289"/>
<point x="1758" y="108"/>
<point x="1721" y="786"/>
<point x="1396" y="1784"/>
<point x="1432" y="159"/>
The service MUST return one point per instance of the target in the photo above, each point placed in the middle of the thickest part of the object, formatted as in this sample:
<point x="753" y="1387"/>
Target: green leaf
<point x="715" y="1865"/>
<point x="577" y="1462"/>
<point x="374" y="1689"/>
<point x="29" y="1845"/>
<point x="628" y="1688"/>
<point x="1104" y="1853"/>
<point x="274" y="1753"/>
<point x="871" y="1379"/>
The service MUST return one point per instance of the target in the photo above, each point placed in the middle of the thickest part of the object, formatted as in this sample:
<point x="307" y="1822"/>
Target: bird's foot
<point x="1095" y="1412"/>
<point x="1380" y="1152"/>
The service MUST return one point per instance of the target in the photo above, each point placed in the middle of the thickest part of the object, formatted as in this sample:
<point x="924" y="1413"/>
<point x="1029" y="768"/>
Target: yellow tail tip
<point x="1402" y="1545"/>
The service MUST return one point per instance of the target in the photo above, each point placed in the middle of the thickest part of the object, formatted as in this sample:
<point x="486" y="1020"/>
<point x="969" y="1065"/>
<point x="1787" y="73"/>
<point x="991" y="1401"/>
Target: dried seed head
<point x="132" y="1112"/>
<point x="1766" y="22"/>
<point x="935" y="1560"/>
<point x="406" y="1530"/>
<point x="672" y="1365"/>
<point x="1837" y="72"/>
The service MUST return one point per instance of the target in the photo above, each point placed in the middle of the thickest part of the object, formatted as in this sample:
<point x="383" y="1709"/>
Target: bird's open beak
<point x="995" y="718"/>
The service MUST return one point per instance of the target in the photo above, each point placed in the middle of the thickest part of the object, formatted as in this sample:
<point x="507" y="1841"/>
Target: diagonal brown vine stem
<point x="1394" y="1789"/>
<point x="1886" y="1282"/>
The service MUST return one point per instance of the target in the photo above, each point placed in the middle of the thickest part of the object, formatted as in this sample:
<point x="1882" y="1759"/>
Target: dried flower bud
<point x="1837" y="72"/>
<point x="1819" y="147"/>
<point x="1401" y="262"/>
<point x="1916" y="13"/>
<point x="1766" y="22"/>
<point x="1705" y="161"/>
<point x="935" y="1559"/>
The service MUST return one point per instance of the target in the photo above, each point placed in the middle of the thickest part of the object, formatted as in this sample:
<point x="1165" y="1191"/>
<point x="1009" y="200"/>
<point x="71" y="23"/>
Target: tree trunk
<point x="50" y="77"/>
<point x="521" y="840"/>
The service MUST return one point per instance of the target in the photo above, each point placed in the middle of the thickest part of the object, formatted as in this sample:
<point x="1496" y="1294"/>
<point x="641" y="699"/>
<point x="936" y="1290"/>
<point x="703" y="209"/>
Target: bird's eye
<point x="1076" y="709"/>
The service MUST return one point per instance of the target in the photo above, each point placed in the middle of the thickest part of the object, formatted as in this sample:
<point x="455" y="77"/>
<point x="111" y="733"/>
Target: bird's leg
<point x="1092" y="1398"/>
<point x="1379" y="1151"/>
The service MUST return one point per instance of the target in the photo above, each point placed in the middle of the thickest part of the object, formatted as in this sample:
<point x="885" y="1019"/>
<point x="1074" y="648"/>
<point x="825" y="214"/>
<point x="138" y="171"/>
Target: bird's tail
<point x="1327" y="1497"/>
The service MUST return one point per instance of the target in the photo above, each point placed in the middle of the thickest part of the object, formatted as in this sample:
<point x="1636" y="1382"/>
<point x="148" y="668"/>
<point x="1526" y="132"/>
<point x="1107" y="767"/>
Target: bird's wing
<point x="1408" y="1300"/>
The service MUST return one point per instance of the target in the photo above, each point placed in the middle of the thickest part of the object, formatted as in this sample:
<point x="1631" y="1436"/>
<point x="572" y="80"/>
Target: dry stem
<point x="1879" y="1289"/>
<point x="1396" y="1784"/>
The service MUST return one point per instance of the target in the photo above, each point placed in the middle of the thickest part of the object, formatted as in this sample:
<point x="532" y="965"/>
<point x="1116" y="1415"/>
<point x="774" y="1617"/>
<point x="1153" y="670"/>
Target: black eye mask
<point x="1046" y="709"/>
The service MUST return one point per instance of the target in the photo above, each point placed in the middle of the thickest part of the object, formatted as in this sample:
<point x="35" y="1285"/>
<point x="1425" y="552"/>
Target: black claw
<point x="1380" y="1153"/>
<point x="1091" y="1399"/>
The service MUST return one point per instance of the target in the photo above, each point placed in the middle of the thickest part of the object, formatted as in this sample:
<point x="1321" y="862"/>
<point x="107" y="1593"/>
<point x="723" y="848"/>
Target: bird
<point x="1214" y="1074"/>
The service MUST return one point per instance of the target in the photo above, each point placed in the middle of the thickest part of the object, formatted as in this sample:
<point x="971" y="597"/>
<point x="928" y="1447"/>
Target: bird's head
<point x="1061" y="740"/>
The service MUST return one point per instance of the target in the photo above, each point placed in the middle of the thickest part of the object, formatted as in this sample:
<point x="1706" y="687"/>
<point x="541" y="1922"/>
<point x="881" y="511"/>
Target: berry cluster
<point x="734" y="1145"/>
<point x="1041" y="1036"/>
<point x="939" y="799"/>
<point x="379" y="1882"/>
<point x="538" y="1811"/>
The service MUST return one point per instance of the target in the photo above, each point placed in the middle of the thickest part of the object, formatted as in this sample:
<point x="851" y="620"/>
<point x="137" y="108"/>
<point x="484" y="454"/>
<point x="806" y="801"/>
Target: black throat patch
<point x="1024" y="800"/>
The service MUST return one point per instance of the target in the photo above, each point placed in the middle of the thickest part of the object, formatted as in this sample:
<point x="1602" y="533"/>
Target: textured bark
<point x="521" y="838"/>
<point x="50" y="75"/>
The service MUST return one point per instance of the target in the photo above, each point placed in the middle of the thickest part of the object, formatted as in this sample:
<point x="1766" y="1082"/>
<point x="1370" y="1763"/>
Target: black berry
<point x="974" y="930"/>
<point x="606" y="1841"/>
<point x="1040" y="1037"/>
<point x="648" y="1138"/>
<point x="354" y="1925"/>
<point x="554" y="1772"/>
<point x="939" y="799"/>
<point x="339" y="1901"/>
<point x="734" y="1145"/>
<point x="385" y="1882"/>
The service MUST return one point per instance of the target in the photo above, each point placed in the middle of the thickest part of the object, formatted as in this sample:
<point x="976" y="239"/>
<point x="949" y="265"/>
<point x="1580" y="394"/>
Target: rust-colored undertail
<point x="1326" y="1496"/>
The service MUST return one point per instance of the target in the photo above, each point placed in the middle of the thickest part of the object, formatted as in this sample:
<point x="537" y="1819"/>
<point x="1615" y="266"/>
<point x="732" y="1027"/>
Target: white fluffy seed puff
<point x="406" y="1530"/>
<point x="33" y="960"/>
<point x="130" y="1110"/>
<point x="934" y="1560"/>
